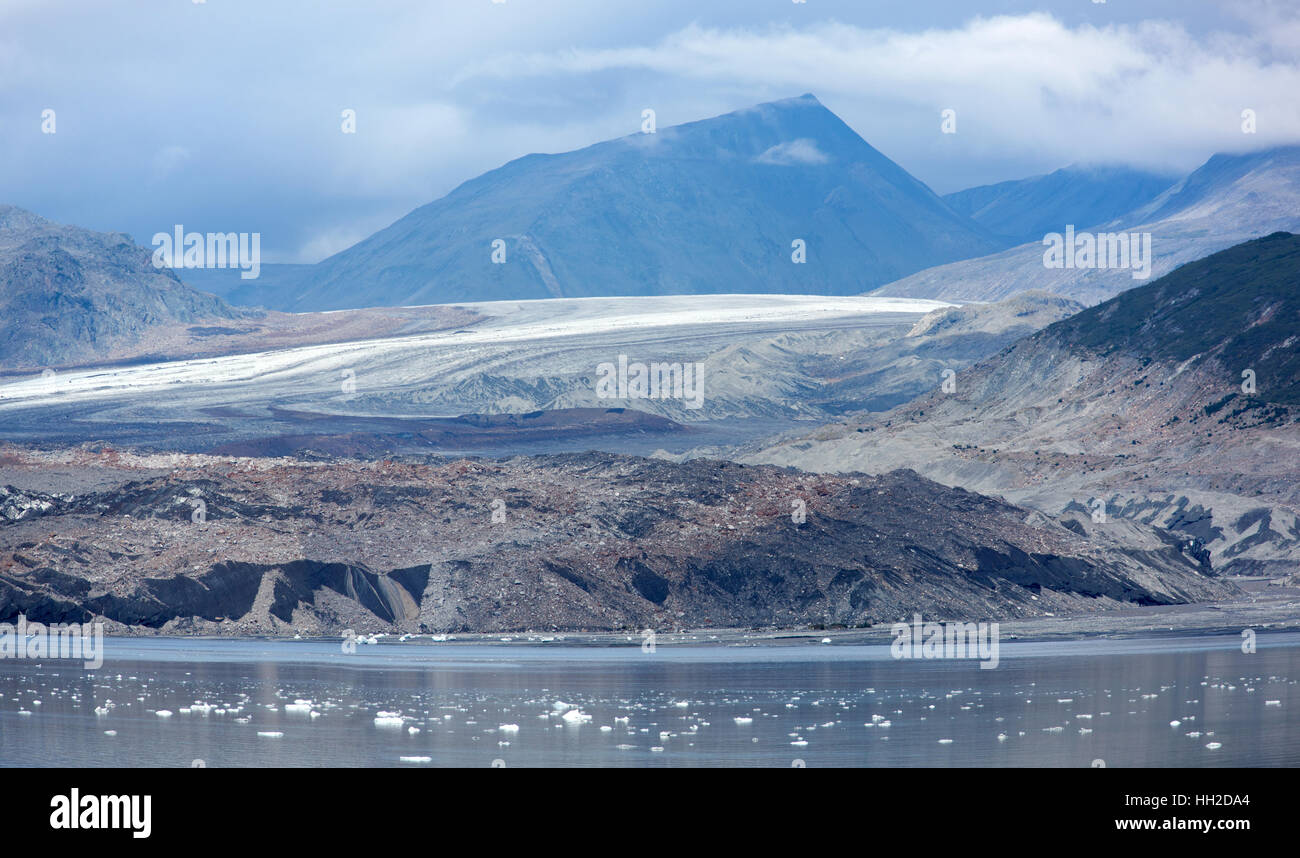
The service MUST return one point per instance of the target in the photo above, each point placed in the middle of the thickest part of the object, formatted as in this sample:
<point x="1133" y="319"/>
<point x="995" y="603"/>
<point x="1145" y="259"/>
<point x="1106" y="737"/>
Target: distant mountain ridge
<point x="1024" y="210"/>
<point x="713" y="206"/>
<point x="1227" y="200"/>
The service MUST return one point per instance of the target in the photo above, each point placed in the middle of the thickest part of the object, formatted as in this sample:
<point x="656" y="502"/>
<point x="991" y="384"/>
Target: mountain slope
<point x="1239" y="307"/>
<point x="69" y="295"/>
<point x="1228" y="200"/>
<point x="1025" y="210"/>
<point x="707" y="207"/>
<point x="1137" y="407"/>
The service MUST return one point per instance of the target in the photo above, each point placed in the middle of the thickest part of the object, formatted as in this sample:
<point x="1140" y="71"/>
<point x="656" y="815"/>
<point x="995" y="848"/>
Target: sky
<point x="226" y="115"/>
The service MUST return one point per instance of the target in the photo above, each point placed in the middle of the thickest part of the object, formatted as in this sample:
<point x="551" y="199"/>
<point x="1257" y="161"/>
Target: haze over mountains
<point x="1024" y="210"/>
<point x="1227" y="200"/>
<point x="714" y="206"/>
<point x="706" y="207"/>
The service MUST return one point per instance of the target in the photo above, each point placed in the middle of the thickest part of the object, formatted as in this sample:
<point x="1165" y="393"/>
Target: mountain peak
<point x="805" y="100"/>
<point x="779" y="197"/>
<point x="800" y="126"/>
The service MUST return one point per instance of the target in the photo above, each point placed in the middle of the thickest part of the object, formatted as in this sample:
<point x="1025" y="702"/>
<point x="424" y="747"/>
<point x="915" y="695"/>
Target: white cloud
<point x="168" y="160"/>
<point x="801" y="151"/>
<point x="1146" y="93"/>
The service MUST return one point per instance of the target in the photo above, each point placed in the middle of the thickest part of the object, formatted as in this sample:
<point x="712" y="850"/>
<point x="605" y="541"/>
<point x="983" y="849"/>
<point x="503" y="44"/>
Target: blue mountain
<point x="707" y="207"/>
<point x="1027" y="209"/>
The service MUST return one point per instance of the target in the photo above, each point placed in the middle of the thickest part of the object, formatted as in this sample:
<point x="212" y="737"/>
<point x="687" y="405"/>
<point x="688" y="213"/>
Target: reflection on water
<point x="257" y="703"/>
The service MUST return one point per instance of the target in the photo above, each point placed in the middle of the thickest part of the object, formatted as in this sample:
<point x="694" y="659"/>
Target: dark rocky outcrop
<point x="574" y="542"/>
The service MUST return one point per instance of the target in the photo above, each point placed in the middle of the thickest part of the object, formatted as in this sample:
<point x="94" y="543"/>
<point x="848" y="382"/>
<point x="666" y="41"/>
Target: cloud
<point x="227" y="115"/>
<point x="168" y="160"/>
<point x="1143" y="93"/>
<point x="801" y="151"/>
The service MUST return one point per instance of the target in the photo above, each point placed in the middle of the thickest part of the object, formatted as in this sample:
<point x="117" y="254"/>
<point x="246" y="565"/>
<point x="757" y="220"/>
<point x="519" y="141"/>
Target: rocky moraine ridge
<point x="170" y="543"/>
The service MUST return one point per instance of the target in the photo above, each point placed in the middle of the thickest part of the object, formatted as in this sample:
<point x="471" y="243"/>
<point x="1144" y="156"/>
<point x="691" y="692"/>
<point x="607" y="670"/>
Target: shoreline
<point x="1269" y="609"/>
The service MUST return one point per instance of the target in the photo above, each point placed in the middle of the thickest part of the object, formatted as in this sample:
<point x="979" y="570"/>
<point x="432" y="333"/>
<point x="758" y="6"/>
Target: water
<point x="1057" y="704"/>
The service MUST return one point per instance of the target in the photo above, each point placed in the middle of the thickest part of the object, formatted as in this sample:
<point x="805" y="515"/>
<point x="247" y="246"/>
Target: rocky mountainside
<point x="1174" y="404"/>
<point x="706" y="207"/>
<point x="1024" y="210"/>
<point x="1228" y="200"/>
<point x="181" y="544"/>
<point x="70" y="295"/>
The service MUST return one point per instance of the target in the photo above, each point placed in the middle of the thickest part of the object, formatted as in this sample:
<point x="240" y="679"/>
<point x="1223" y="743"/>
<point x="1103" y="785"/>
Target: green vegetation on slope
<point x="1240" y="305"/>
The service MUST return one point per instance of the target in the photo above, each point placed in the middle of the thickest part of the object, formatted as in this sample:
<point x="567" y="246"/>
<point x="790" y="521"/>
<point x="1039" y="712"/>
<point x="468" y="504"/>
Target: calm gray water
<point x="1053" y="704"/>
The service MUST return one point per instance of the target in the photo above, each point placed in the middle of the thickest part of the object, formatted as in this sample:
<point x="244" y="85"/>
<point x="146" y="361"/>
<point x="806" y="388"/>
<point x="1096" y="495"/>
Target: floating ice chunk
<point x="110" y="732"/>
<point x="576" y="716"/>
<point x="509" y="728"/>
<point x="388" y="719"/>
<point x="270" y="734"/>
<point x="1175" y="723"/>
<point x="1214" y="746"/>
<point x="164" y="713"/>
<point x="945" y="741"/>
<point x="742" y="720"/>
<point x="415" y="759"/>
<point x="1272" y="702"/>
